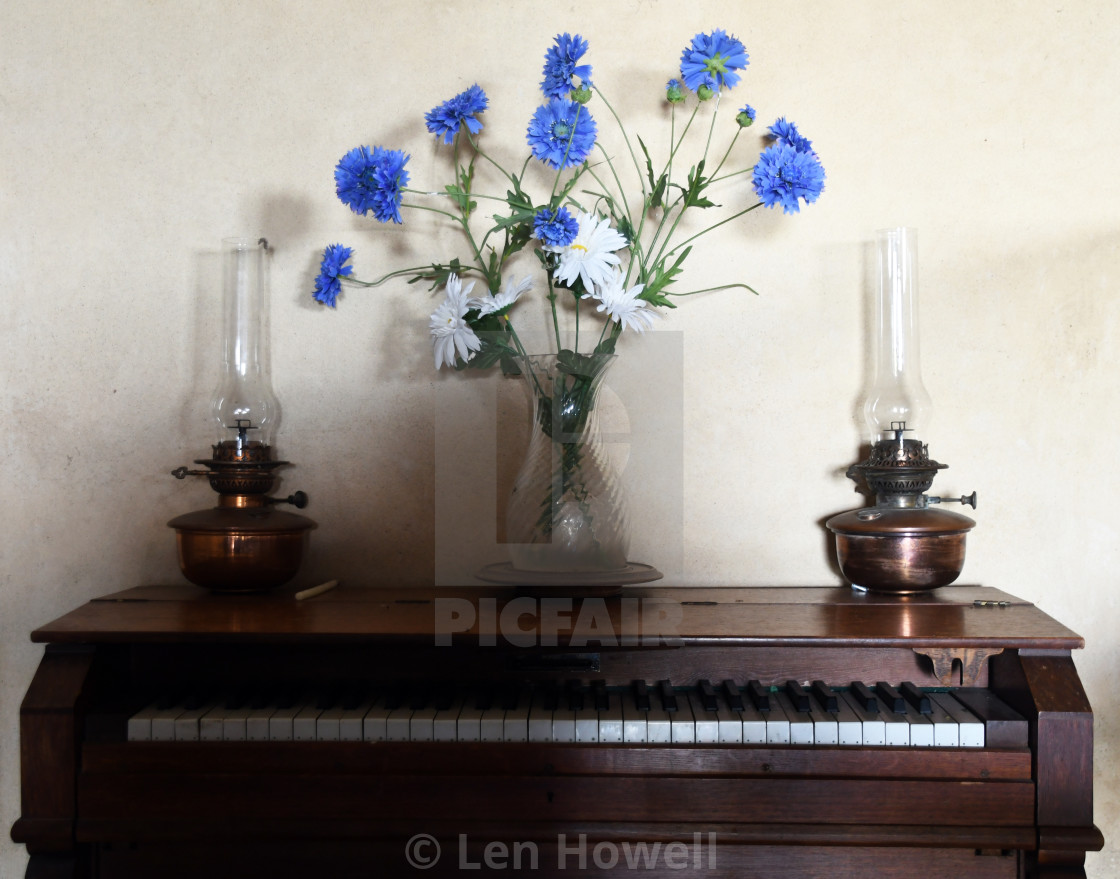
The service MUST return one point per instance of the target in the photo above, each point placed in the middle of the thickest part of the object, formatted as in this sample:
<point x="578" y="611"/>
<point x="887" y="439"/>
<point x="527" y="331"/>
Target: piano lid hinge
<point x="958" y="666"/>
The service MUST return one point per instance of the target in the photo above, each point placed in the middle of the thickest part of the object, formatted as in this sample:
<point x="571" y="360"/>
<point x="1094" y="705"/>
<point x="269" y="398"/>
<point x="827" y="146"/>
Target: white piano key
<point x="659" y="727"/>
<point x="610" y="720"/>
<point x="256" y="724"/>
<point x="682" y="722"/>
<point x="946" y="730"/>
<point x="445" y="725"/>
<point x="970" y="728"/>
<point x="374" y="724"/>
<point x="328" y="724"/>
<point x="825" y="727"/>
<point x="540" y="719"/>
<point x="754" y="723"/>
<point x="187" y="723"/>
<point x="705" y="722"/>
<point x="421" y="726"/>
<point x="849" y="726"/>
<point x="468" y="727"/>
<point x="633" y="718"/>
<point x="515" y="725"/>
<point x="729" y="723"/>
<point x="800" y="722"/>
<point x="563" y="723"/>
<point x="281" y="725"/>
<point x="233" y="723"/>
<point x="139" y="727"/>
<point x="492" y="724"/>
<point x="777" y="723"/>
<point x="872" y="726"/>
<point x="163" y="722"/>
<point x="397" y="723"/>
<point x="921" y="729"/>
<point x="303" y="724"/>
<point x="211" y="723"/>
<point x="351" y="723"/>
<point x="587" y="722"/>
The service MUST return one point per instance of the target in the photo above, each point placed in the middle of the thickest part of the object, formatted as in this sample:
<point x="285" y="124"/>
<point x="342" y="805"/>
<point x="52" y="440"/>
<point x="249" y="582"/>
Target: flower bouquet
<point x="602" y="242"/>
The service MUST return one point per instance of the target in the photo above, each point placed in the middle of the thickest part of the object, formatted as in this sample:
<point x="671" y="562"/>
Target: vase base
<point x="570" y="584"/>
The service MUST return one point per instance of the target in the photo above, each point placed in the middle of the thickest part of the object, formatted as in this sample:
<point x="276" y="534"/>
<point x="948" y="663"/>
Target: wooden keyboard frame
<point x="96" y="805"/>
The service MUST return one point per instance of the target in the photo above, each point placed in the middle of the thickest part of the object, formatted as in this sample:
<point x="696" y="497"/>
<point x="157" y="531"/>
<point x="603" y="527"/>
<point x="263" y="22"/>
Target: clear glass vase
<point x="567" y="511"/>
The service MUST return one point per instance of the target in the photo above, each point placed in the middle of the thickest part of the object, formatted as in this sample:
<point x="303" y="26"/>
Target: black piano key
<point x="759" y="695"/>
<point x="550" y="696"/>
<point x="668" y="697"/>
<point x="865" y="697"/>
<point x="707" y="695"/>
<point x="443" y="698"/>
<point x="825" y="696"/>
<point x="509" y="698"/>
<point x="575" y="695"/>
<point x="327" y="699"/>
<point x="641" y="695"/>
<point x="395" y="697"/>
<point x="483" y="699"/>
<point x="601" y="697"/>
<point x="917" y="698"/>
<point x="798" y="697"/>
<point x="732" y="695"/>
<point x="892" y="699"/>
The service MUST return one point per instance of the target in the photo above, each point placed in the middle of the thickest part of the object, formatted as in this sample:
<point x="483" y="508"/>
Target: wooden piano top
<point x="953" y="616"/>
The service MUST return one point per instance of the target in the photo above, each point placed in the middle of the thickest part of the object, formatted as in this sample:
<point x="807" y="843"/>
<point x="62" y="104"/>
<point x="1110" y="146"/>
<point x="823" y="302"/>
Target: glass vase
<point x="567" y="511"/>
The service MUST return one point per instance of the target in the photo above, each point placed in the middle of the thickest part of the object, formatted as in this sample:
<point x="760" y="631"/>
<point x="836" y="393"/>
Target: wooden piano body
<point x="95" y="804"/>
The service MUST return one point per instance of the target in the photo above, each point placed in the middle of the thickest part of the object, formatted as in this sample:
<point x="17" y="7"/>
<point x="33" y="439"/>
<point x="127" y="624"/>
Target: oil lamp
<point x="901" y="544"/>
<point x="244" y="544"/>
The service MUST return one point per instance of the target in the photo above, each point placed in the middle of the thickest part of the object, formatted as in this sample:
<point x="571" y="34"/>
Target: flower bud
<point x="705" y="92"/>
<point x="674" y="92"/>
<point x="581" y="95"/>
<point x="745" y="116"/>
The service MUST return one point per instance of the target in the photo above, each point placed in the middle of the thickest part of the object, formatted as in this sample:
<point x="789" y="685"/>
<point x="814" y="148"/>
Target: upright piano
<point x="739" y="732"/>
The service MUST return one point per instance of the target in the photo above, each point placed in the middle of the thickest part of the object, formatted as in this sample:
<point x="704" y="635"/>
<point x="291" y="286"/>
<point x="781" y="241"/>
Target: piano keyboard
<point x="791" y="714"/>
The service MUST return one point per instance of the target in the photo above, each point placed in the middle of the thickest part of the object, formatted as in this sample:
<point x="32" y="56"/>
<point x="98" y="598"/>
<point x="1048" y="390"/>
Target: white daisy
<point x="623" y="306"/>
<point x="451" y="334"/>
<point x="505" y="299"/>
<point x="590" y="257"/>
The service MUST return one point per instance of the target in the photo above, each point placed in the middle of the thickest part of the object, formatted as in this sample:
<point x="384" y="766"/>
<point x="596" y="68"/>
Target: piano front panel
<point x="278" y="808"/>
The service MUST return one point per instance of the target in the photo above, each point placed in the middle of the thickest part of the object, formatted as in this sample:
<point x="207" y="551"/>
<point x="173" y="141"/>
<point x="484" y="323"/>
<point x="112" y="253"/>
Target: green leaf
<point x="656" y="188"/>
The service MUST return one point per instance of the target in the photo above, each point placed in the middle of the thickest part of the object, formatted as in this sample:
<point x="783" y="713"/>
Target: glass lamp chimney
<point x="898" y="405"/>
<point x="244" y="407"/>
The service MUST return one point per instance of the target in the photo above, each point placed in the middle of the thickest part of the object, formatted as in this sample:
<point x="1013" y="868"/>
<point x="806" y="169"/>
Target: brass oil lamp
<point x="244" y="544"/>
<point x="901" y="544"/>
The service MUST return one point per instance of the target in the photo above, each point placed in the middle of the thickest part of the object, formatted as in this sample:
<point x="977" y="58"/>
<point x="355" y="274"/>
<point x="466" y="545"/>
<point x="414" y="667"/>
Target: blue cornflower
<point x="561" y="133"/>
<point x="555" y="228"/>
<point x="372" y="180"/>
<point x="560" y="66"/>
<point x="787" y="133"/>
<point x="784" y="174"/>
<point x="328" y="285"/>
<point x="746" y="116"/>
<point x="711" y="60"/>
<point x="459" y="110"/>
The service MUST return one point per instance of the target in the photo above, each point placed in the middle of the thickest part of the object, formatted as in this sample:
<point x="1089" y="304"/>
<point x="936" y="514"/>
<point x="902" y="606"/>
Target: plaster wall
<point x="135" y="135"/>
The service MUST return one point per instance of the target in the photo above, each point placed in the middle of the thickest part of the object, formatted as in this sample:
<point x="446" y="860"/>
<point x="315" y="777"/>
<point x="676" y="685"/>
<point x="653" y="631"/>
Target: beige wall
<point x="135" y="135"/>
